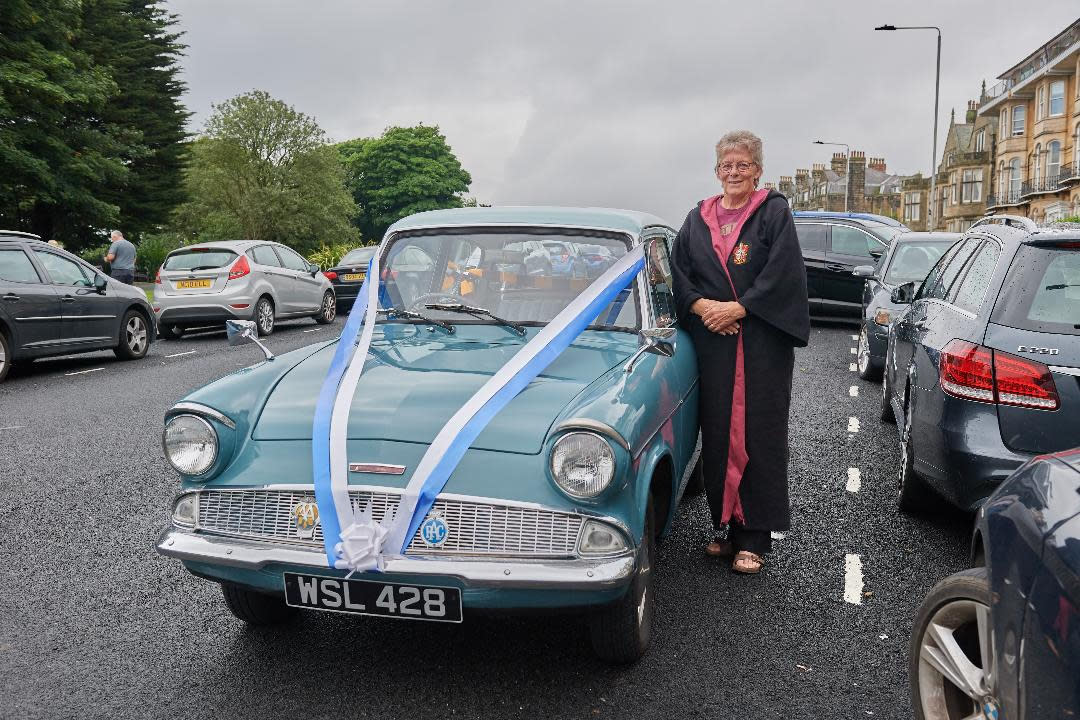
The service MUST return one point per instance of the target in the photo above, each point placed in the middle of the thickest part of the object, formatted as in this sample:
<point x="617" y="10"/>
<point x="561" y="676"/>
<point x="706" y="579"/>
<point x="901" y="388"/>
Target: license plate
<point x="189" y="284"/>
<point x="371" y="597"/>
<point x="353" y="277"/>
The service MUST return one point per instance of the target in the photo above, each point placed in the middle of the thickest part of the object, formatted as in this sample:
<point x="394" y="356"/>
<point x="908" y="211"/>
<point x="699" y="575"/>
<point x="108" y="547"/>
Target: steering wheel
<point x="446" y="298"/>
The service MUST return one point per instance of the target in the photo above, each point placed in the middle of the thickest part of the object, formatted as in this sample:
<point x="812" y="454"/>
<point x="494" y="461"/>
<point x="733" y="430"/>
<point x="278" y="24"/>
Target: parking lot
<point x="96" y="623"/>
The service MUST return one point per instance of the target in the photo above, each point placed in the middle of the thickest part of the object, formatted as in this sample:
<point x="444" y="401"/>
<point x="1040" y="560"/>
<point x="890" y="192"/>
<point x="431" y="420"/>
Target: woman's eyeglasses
<point x="743" y="167"/>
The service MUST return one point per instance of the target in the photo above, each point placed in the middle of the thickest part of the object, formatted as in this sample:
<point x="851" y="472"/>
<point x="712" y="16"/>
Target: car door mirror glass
<point x="244" y="332"/>
<point x="313" y="269"/>
<point x="100" y="283"/>
<point x="863" y="271"/>
<point x="903" y="294"/>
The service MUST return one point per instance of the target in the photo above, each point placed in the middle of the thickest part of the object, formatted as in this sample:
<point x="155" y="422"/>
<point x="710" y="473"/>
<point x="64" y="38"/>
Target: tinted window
<point x="850" y="241"/>
<point x="15" y="266"/>
<point x="972" y="289"/>
<point x="61" y="270"/>
<point x="911" y="261"/>
<point x="291" y="260"/>
<point x="811" y="237"/>
<point x="949" y="267"/>
<point x="886" y="232"/>
<point x="264" y="255"/>
<point x="360" y="256"/>
<point x="1041" y="291"/>
<point x="198" y="259"/>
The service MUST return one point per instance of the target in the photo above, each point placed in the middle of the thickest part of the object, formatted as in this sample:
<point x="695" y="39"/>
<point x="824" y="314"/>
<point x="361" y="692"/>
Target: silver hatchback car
<point x="206" y="284"/>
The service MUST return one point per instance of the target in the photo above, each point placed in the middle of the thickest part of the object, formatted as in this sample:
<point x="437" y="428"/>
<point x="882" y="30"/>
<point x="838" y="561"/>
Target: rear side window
<point x="15" y="266"/>
<point x="948" y="269"/>
<point x="199" y="259"/>
<point x="811" y="237"/>
<point x="973" y="287"/>
<point x="265" y="255"/>
<point x="1041" y="291"/>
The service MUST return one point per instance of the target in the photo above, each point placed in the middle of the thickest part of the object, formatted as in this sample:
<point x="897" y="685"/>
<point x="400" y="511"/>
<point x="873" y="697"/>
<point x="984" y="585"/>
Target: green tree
<point x="404" y="171"/>
<point x="263" y="171"/>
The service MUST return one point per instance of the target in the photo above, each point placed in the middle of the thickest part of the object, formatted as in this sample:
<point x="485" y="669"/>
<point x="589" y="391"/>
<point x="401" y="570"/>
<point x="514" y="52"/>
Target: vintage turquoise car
<point x="556" y="503"/>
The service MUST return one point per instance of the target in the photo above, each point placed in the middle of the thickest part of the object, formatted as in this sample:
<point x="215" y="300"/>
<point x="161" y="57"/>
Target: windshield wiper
<point x="1062" y="286"/>
<point x="410" y="315"/>
<point x="477" y="312"/>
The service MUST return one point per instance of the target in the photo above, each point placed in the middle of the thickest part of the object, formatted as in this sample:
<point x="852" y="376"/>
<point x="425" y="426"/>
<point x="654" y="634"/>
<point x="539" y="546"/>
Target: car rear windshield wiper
<point x="410" y="315"/>
<point x="1048" y="287"/>
<point x="477" y="311"/>
<point x="204" y="267"/>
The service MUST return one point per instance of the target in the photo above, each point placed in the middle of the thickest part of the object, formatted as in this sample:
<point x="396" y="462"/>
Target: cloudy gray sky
<point x="614" y="103"/>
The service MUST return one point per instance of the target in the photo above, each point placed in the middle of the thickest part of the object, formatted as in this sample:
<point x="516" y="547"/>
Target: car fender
<point x="650" y="466"/>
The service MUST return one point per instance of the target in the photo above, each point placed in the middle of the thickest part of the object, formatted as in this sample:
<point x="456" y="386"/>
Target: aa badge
<point x="742" y="253"/>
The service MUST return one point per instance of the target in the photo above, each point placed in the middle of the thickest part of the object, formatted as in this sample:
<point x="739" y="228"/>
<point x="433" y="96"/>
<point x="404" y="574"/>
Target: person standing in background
<point x="121" y="258"/>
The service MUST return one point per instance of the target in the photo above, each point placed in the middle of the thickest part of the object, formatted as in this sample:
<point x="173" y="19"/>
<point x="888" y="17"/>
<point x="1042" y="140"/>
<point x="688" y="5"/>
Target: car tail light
<point x="330" y="275"/>
<point x="565" y="257"/>
<point x="967" y="371"/>
<point x="240" y="268"/>
<point x="978" y="373"/>
<point x="157" y="277"/>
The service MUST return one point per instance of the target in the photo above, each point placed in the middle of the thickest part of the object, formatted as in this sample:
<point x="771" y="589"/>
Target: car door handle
<point x="837" y="268"/>
<point x="67" y="298"/>
<point x="12" y="297"/>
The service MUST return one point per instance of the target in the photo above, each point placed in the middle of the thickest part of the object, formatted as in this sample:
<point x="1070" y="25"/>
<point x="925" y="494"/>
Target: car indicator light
<point x="157" y="277"/>
<point x="974" y="372"/>
<point x="882" y="317"/>
<point x="967" y="371"/>
<point x="330" y="275"/>
<point x="1024" y="382"/>
<point x="240" y="268"/>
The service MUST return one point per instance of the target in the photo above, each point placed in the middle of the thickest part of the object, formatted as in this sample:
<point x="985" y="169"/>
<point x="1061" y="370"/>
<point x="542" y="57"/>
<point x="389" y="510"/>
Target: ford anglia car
<point x="554" y="501"/>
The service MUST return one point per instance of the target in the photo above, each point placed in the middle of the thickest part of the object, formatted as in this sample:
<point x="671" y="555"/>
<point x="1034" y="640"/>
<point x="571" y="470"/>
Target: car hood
<point x="415" y="380"/>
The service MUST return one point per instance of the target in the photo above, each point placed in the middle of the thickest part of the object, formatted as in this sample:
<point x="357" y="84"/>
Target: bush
<point x="96" y="255"/>
<point x="153" y="248"/>
<point x="330" y="255"/>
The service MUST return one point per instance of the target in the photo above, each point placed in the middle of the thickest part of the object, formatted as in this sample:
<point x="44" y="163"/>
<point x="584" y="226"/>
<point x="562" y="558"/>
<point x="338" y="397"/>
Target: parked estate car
<point x="908" y="259"/>
<point x="982" y="369"/>
<point x="54" y="303"/>
<point x="597" y="258"/>
<point x="1003" y="639"/>
<point x="206" y="284"/>
<point x="557" y="503"/>
<point x="833" y="244"/>
<point x="348" y="275"/>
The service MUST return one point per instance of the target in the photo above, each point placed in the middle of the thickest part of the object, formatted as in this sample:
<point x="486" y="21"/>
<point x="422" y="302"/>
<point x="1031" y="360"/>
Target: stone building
<point x="1036" y="169"/>
<point x="872" y="188"/>
<point x="965" y="170"/>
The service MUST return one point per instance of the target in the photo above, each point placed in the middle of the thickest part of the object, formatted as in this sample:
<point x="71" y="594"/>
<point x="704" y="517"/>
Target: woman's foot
<point x="720" y="548"/>
<point x="747" y="563"/>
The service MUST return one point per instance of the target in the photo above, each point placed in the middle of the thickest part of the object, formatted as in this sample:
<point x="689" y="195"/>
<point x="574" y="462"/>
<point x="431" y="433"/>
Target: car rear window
<point x="360" y="255"/>
<point x="1041" y="291"/>
<point x="912" y="260"/>
<point x="199" y="259"/>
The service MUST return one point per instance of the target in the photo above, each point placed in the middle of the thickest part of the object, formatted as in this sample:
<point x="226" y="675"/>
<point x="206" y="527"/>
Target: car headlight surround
<point x="582" y="464"/>
<point x="190" y="444"/>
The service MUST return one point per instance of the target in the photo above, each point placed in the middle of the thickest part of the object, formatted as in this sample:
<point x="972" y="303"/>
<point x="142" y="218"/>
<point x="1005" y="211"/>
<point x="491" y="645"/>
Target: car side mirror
<point x="244" y="332"/>
<point x="863" y="271"/>
<point x="903" y="294"/>
<point x="877" y="252"/>
<point x="656" y="341"/>
<point x="100" y="283"/>
<point x="313" y="269"/>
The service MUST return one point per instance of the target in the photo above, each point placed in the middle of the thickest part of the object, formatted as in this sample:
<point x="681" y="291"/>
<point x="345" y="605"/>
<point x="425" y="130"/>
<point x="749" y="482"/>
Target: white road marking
<point x="852" y="367"/>
<point x="312" y="330"/>
<point x="13" y="427"/>
<point x="854" y="337"/>
<point x="189" y="352"/>
<point x="854" y="480"/>
<point x="854" y="351"/>
<point x="853" y="424"/>
<point x="83" y="372"/>
<point x="853" y="391"/>
<point x="778" y="535"/>
<point x="853" y="580"/>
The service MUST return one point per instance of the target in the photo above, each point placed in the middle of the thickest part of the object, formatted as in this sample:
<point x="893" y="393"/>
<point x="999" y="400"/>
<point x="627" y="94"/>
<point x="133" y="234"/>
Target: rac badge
<point x="742" y="254"/>
<point x="306" y="515"/>
<point x="434" y="531"/>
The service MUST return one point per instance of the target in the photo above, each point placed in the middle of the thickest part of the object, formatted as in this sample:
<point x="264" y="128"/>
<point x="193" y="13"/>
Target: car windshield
<point x="516" y="275"/>
<point x="1041" y="292"/>
<point x="202" y="258"/>
<point x="359" y="256"/>
<point x="911" y="260"/>
<point x="885" y="232"/>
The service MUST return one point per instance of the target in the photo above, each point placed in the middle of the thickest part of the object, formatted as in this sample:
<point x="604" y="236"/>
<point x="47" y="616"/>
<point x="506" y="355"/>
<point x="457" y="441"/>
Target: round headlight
<point x="191" y="444"/>
<point x="582" y="464"/>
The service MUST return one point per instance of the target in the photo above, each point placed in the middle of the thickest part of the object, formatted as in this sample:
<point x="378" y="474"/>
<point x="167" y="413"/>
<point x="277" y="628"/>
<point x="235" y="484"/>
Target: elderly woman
<point x="740" y="291"/>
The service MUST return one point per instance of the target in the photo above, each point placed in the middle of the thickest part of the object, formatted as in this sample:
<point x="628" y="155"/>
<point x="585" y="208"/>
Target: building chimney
<point x="857" y="185"/>
<point x="818" y="173"/>
<point x="969" y="117"/>
<point x="876" y="164"/>
<point x="839" y="163"/>
<point x="802" y="179"/>
<point x="769" y="186"/>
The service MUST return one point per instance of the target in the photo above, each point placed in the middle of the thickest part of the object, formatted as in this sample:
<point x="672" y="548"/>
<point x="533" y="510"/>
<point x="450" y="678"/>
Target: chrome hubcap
<point x="136" y="334"/>
<point x="864" y="351"/>
<point x="905" y="440"/>
<point x="329" y="307"/>
<point x="266" y="316"/>
<point x="951" y="685"/>
<point x="3" y="357"/>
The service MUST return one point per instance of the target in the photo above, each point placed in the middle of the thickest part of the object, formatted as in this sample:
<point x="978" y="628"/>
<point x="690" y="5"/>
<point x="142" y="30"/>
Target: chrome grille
<point x="476" y="528"/>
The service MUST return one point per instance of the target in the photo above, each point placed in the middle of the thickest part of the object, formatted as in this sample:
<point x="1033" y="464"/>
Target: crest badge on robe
<point x="741" y="254"/>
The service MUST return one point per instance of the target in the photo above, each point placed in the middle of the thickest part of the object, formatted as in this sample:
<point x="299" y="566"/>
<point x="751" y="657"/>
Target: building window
<point x="952" y="194"/>
<point x="1057" y="98"/>
<point x="1014" y="178"/>
<point x="1001" y="179"/>
<point x="912" y="203"/>
<point x="1018" y="120"/>
<point x="980" y="140"/>
<point x="1036" y="164"/>
<point x="1040" y="103"/>
<point x="1004" y="119"/>
<point x="1053" y="161"/>
<point x="971" y="190"/>
<point x="1076" y="146"/>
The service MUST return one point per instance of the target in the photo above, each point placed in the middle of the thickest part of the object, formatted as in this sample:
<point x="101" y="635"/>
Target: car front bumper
<point x="877" y="339"/>
<point x="485" y="582"/>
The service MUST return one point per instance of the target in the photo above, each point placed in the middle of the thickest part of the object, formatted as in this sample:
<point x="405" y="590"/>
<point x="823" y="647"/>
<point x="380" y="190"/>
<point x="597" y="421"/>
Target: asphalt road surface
<point x="94" y="623"/>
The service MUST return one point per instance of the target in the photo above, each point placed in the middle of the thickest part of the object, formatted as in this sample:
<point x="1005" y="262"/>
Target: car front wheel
<point x="867" y="371"/>
<point x="5" y="357"/>
<point x="134" y="336"/>
<point x="951" y="662"/>
<point x="256" y="608"/>
<point x="328" y="309"/>
<point x="621" y="632"/>
<point x="912" y="492"/>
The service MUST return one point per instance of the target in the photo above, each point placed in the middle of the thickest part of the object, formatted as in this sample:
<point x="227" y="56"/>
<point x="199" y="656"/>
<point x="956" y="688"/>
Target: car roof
<point x="629" y="221"/>
<point x="226" y="244"/>
<point x="18" y="235"/>
<point x="1033" y="234"/>
<point x="866" y="217"/>
<point x="920" y="235"/>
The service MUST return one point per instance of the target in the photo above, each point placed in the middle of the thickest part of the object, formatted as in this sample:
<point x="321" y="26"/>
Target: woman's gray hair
<point x="741" y="140"/>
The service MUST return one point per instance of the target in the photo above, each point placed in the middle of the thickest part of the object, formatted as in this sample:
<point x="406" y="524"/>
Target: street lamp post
<point x="937" y="86"/>
<point x="847" y="176"/>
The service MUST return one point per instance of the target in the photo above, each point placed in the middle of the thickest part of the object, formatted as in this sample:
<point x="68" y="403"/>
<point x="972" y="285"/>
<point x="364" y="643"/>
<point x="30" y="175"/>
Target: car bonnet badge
<point x="306" y="515"/>
<point x="434" y="530"/>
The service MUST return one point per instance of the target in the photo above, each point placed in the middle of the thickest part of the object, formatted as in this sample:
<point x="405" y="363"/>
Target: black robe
<point x="767" y="270"/>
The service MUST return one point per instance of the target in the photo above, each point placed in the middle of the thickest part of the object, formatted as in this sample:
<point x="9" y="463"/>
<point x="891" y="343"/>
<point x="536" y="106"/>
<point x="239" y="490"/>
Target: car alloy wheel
<point x="328" y="310"/>
<point x="912" y="494"/>
<point x="952" y="659"/>
<point x="5" y="361"/>
<point x="887" y="414"/>
<point x="134" y="336"/>
<point x="264" y="316"/>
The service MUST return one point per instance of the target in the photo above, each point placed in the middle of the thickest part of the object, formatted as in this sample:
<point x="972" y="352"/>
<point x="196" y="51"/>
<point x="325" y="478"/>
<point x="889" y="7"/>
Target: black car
<point x="348" y="275"/>
<point x="54" y="303"/>
<point x="832" y="246"/>
<point x="908" y="259"/>
<point x="1003" y="640"/>
<point x="982" y="369"/>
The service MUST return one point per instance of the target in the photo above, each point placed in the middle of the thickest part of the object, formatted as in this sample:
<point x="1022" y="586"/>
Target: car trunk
<point x="196" y="271"/>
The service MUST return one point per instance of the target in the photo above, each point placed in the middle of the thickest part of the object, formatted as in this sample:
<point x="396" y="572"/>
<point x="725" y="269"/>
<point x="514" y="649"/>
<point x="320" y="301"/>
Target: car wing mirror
<point x="656" y="341"/>
<point x="313" y="269"/>
<point x="863" y="271"/>
<point x="903" y="294"/>
<point x="100" y="283"/>
<point x="244" y="332"/>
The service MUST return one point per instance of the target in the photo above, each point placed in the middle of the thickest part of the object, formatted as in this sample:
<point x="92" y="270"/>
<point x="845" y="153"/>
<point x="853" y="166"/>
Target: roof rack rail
<point x="20" y="234"/>
<point x="1016" y="221"/>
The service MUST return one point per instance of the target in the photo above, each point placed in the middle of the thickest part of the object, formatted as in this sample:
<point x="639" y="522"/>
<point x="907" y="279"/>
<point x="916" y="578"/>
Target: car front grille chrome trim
<point x="200" y="409"/>
<point x="377" y="468"/>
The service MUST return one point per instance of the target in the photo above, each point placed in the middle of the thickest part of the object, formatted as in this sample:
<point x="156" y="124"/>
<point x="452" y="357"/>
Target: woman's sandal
<point x="747" y="563"/>
<point x="720" y="548"/>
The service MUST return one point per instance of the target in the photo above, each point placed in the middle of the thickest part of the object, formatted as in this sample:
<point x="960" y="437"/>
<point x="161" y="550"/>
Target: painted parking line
<point x="854" y="351"/>
<point x="189" y="352"/>
<point x="854" y="480"/>
<point x="853" y="391"/>
<point x="853" y="424"/>
<point x="853" y="579"/>
<point x="312" y="330"/>
<point x="12" y="427"/>
<point x="83" y="372"/>
<point x="852" y="367"/>
<point x="854" y="337"/>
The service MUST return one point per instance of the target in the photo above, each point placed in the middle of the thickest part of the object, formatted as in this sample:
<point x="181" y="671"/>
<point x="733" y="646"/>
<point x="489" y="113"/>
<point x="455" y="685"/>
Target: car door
<point x="89" y="318"/>
<point x="268" y="265"/>
<point x="813" y="239"/>
<point x="841" y="290"/>
<point x="28" y="306"/>
<point x="307" y="289"/>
